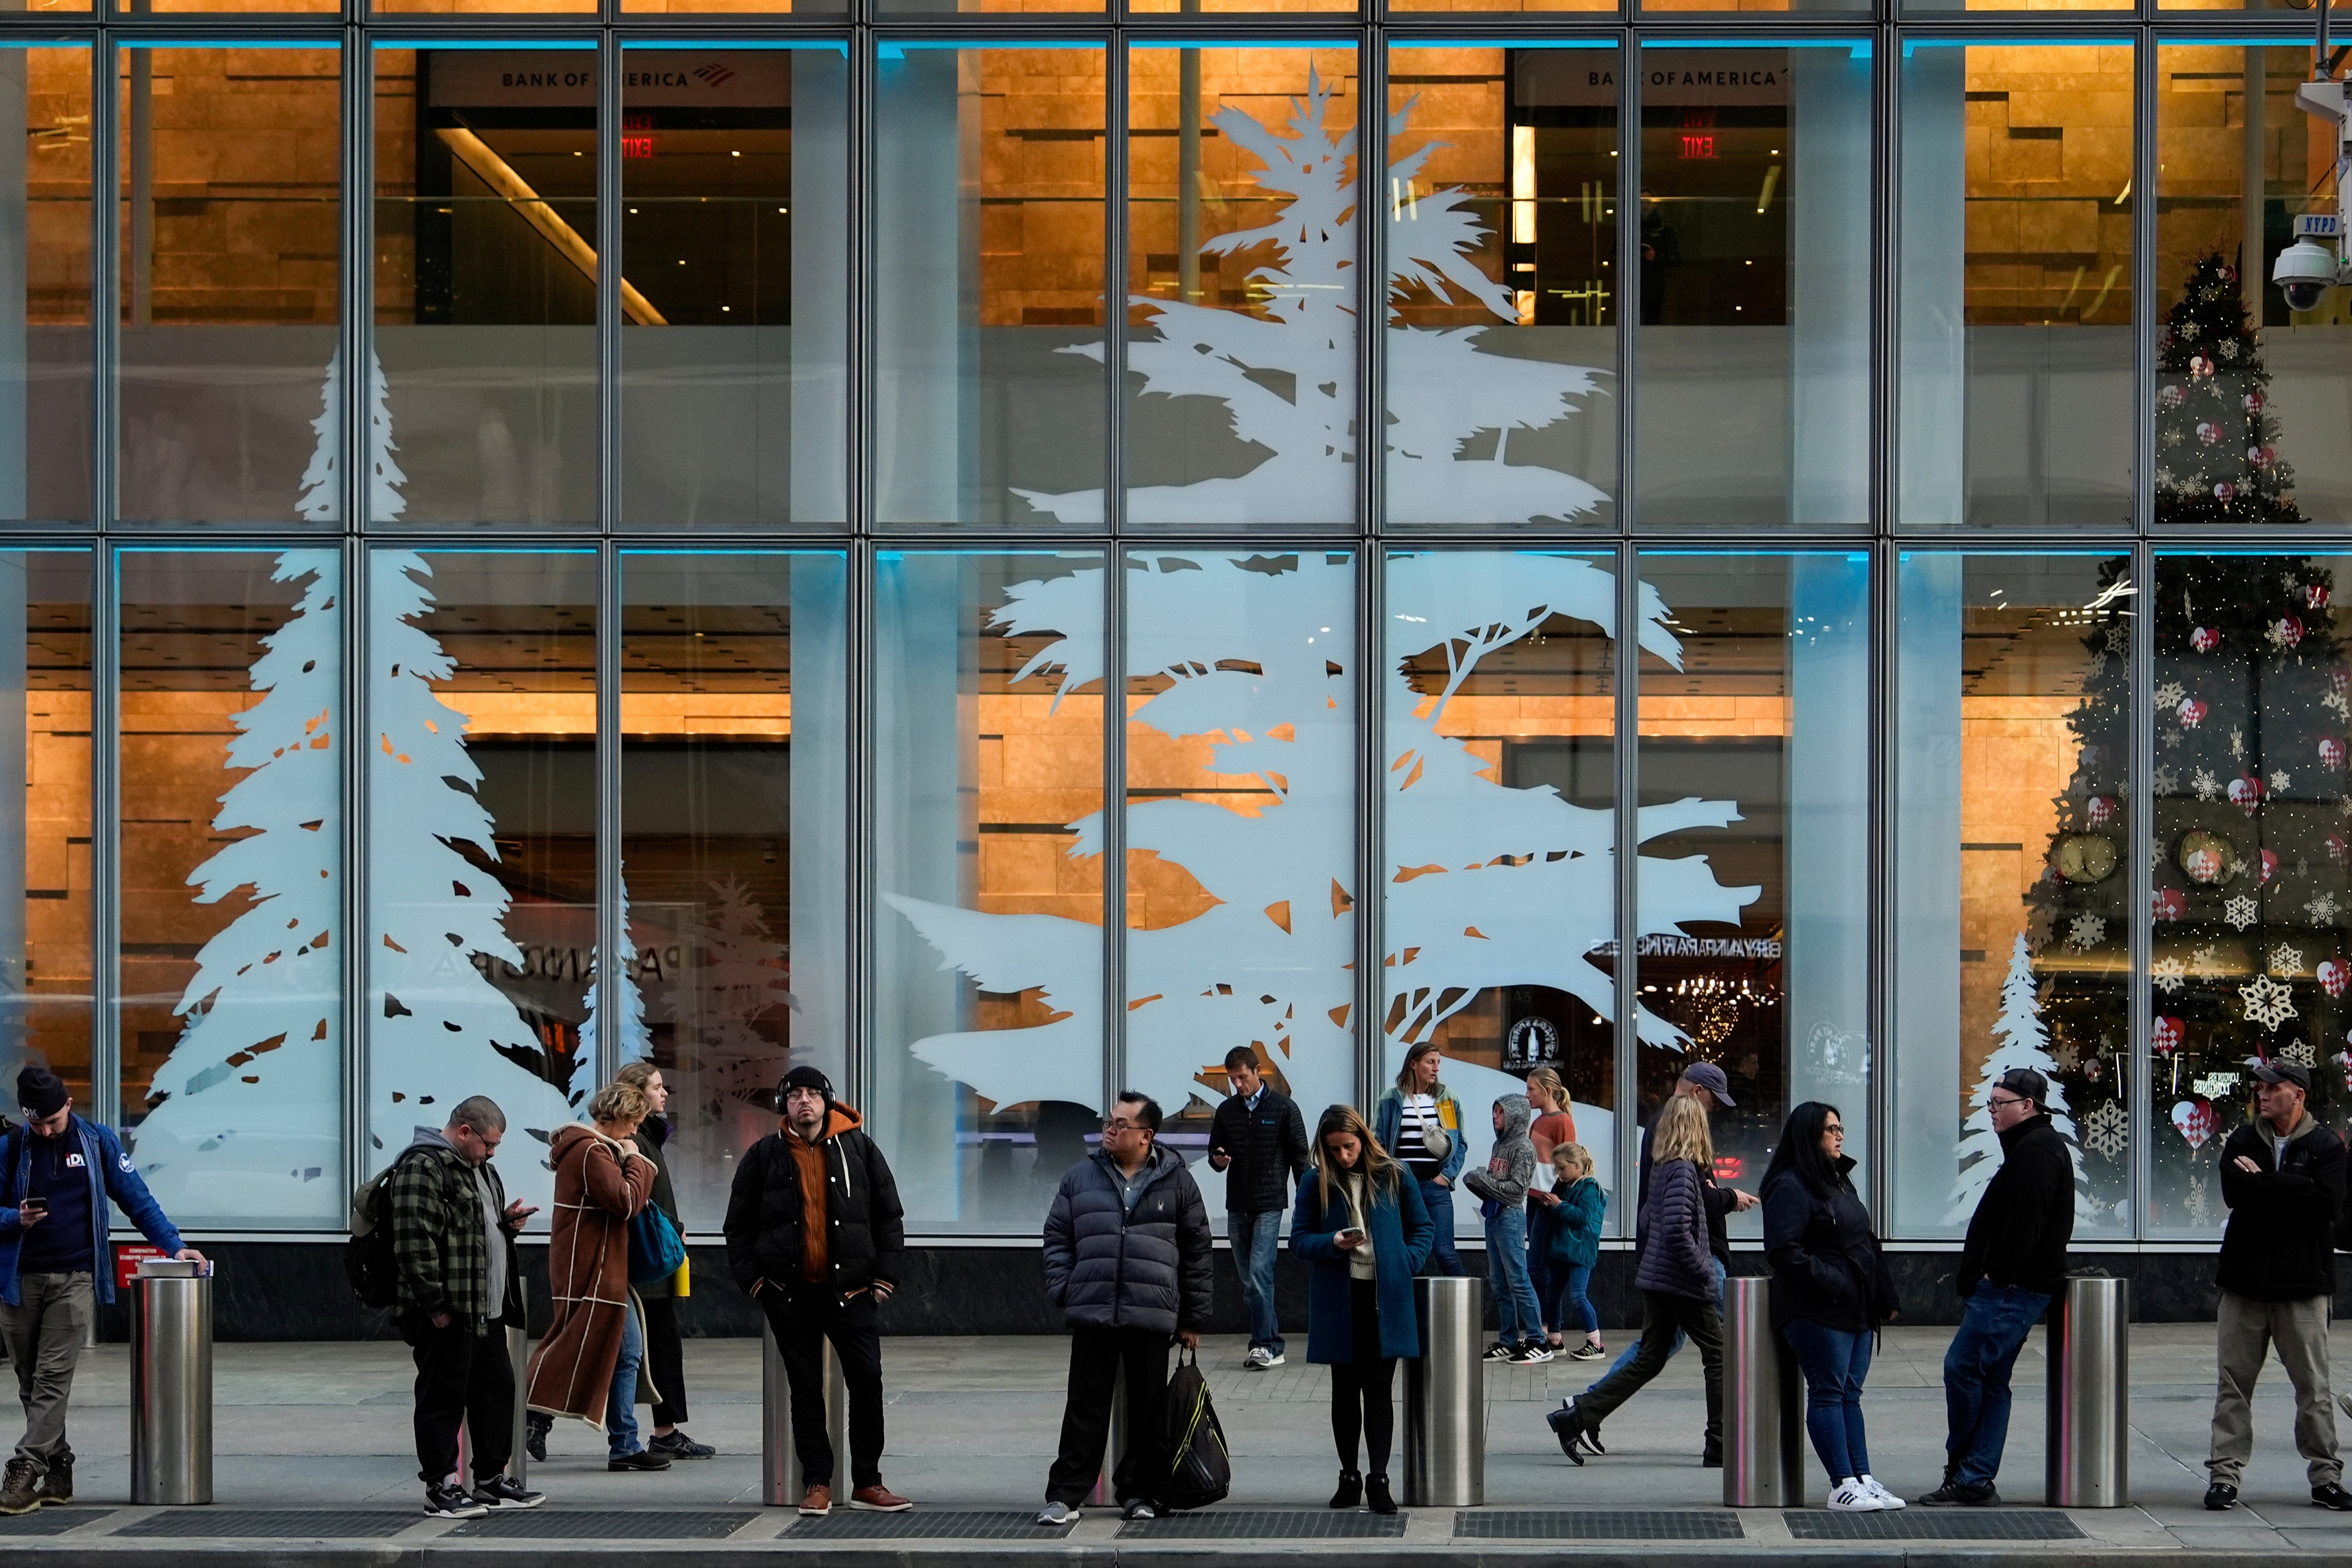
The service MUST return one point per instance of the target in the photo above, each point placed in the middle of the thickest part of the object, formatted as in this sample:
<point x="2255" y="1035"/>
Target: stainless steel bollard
<point x="1445" y="1398"/>
<point x="780" y="1461"/>
<point x="171" y="1383"/>
<point x="2087" y="1460"/>
<point x="1763" y="1403"/>
<point x="518" y="1354"/>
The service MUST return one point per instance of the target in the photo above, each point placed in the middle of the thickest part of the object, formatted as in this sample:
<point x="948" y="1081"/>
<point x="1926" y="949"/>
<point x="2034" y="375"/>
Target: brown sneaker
<point x="879" y="1499"/>
<point x="20" y="1485"/>
<point x="817" y="1501"/>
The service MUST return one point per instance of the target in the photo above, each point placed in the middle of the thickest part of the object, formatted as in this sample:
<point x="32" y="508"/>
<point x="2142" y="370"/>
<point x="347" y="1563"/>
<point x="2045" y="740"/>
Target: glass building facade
<point x="553" y="531"/>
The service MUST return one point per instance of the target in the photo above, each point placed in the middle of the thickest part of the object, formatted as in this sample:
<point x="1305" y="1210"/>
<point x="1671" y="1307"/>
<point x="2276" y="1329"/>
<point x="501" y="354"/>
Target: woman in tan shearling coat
<point x="588" y="1364"/>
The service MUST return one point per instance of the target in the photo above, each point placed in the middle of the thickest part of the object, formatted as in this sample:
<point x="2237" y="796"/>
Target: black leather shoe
<point x="1567" y="1427"/>
<point x="1351" y="1490"/>
<point x="2332" y="1495"/>
<point x="1376" y="1494"/>
<point x="1711" y="1457"/>
<point x="2221" y="1496"/>
<point x="1959" y="1494"/>
<point x="643" y="1459"/>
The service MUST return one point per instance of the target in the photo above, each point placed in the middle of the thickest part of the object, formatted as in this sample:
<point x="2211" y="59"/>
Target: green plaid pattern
<point x="436" y="1236"/>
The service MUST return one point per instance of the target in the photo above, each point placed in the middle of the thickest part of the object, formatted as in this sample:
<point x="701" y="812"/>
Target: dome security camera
<point x="2304" y="272"/>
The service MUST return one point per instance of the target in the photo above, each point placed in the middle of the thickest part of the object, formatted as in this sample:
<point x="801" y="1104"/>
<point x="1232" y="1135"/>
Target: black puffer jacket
<point x="1826" y="1265"/>
<point x="866" y="1233"/>
<point x="1677" y="1260"/>
<point x="1105" y="1268"/>
<point x="1268" y="1146"/>
<point x="2281" y="1241"/>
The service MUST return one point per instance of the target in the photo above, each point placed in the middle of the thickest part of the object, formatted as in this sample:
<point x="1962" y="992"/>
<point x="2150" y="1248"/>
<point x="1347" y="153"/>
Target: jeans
<point x="1097" y="1357"/>
<point x="1993" y="1326"/>
<point x="1836" y="1364"/>
<point x="1626" y="1359"/>
<point x="1439" y="1201"/>
<point x="44" y="1335"/>
<point x="621" y="1403"/>
<point x="1666" y="1320"/>
<point x="1254" y="1237"/>
<point x="1506" y="1276"/>
<point x="463" y="1378"/>
<point x="1575" y="1307"/>
<point x="802" y="1319"/>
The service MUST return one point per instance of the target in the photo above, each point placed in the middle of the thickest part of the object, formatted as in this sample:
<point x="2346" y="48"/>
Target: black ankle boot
<point x="1351" y="1490"/>
<point x="1376" y="1493"/>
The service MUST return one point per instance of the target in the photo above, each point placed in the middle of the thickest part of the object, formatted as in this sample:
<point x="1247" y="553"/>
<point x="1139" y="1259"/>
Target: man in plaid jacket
<point x="453" y="1235"/>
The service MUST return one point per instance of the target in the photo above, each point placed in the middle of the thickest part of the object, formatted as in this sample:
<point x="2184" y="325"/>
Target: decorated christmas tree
<point x="2020" y="1043"/>
<point x="2249" y="816"/>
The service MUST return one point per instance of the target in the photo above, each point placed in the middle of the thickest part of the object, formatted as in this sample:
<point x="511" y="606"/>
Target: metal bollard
<point x="2087" y="1462"/>
<point x="1763" y="1403"/>
<point x="518" y="1354"/>
<point x="171" y="1383"/>
<point x="780" y="1461"/>
<point x="1445" y="1398"/>
<point x="1106" y="1492"/>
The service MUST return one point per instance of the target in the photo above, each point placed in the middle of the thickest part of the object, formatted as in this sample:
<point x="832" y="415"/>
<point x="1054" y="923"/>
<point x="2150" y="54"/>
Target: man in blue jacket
<point x="57" y="1172"/>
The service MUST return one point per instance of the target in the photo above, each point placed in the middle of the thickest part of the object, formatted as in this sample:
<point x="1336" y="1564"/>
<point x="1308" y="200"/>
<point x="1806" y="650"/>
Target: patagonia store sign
<point x="492" y="78"/>
<point x="1563" y="78"/>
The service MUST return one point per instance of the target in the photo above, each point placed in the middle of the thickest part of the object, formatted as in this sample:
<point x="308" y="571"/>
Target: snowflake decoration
<point x="2167" y="781"/>
<point x="2205" y="960"/>
<point x="2237" y="743"/>
<point x="2322" y="909"/>
<point x="2168" y="696"/>
<point x="2229" y="348"/>
<point x="2169" y="739"/>
<point x="2103" y="1130"/>
<point x="2286" y="960"/>
<point x="2067" y="1058"/>
<point x="2278" y="782"/>
<point x="2298" y="1052"/>
<point x="2339" y="703"/>
<point x="2268" y="1004"/>
<point x="2086" y="933"/>
<point x="2098" y="663"/>
<point x="2199" y="1205"/>
<point x="2206" y="785"/>
<point x="2167" y="974"/>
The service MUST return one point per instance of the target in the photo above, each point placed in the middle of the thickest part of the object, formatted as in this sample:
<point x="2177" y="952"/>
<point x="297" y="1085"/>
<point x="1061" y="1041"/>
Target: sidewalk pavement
<point x="973" y="1426"/>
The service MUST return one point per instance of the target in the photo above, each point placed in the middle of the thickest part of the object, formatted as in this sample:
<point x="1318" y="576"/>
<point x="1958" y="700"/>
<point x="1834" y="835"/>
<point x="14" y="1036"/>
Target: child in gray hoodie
<point x="1504" y="1184"/>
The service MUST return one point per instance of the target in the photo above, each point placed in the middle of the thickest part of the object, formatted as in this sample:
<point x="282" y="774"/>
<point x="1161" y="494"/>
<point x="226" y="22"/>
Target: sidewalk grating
<point x="48" y="1521"/>
<point x="1935" y="1525"/>
<point x="1596" y="1524"/>
<point x="934" y="1524"/>
<point x="266" y="1524"/>
<point x="603" y="1524"/>
<point x="1265" y="1524"/>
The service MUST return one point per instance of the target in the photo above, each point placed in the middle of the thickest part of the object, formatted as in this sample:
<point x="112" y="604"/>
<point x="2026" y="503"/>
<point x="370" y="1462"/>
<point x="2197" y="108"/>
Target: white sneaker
<point x="1273" y="1359"/>
<point x="1258" y="1359"/>
<point x="1055" y="1513"/>
<point x="1851" y="1497"/>
<point x="1886" y="1499"/>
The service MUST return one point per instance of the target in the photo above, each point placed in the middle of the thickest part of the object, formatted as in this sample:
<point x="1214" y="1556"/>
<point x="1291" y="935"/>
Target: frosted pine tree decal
<point x="742" y="983"/>
<point x="636" y="1040"/>
<point x="261" y="1050"/>
<point x="2021" y="1044"/>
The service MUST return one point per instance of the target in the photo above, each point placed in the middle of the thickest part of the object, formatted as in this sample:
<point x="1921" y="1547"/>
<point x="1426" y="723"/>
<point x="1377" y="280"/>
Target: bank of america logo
<point x="714" y="74"/>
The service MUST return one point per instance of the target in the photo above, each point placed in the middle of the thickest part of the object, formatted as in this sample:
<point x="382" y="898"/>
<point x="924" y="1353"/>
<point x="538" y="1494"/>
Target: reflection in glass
<point x="1755" y="286"/>
<point x="486" y="285"/>
<point x="231" y="755"/>
<point x="482" y="756"/>
<point x="1241" y="828"/>
<point x="1754" y="822"/>
<point x="988" y="304"/>
<point x="1502" y="350"/>
<point x="987" y="1078"/>
<point x="2013" y="870"/>
<point x="1501" y="888"/>
<point x="733" y="221"/>
<point x="1241" y="313"/>
<point x="733" y="816"/>
<point x="232" y="216"/>
<point x="2015" y="330"/>
<point x="44" y="322"/>
<point x="45" y="884"/>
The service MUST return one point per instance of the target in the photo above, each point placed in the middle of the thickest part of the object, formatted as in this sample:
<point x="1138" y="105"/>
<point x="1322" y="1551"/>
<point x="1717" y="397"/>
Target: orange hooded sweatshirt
<point x="809" y="1157"/>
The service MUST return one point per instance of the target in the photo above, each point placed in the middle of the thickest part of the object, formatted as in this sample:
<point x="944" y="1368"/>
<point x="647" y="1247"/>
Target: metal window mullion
<point x="105" y="707"/>
<point x="1884" y="612"/>
<point x="358" y="357"/>
<point x="1371" y="562"/>
<point x="858" y="871"/>
<point x="1114" y="681"/>
<point x="607" y="972"/>
<point x="1626" y="749"/>
<point x="2142" y="770"/>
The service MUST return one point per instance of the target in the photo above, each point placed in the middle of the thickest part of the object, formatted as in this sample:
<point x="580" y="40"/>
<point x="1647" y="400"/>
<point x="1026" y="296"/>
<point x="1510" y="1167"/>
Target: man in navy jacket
<point x="57" y="1172"/>
<point x="1259" y="1140"/>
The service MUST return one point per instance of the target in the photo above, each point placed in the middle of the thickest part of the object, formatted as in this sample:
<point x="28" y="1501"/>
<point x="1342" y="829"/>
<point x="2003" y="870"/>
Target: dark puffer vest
<point x="1108" y="1269"/>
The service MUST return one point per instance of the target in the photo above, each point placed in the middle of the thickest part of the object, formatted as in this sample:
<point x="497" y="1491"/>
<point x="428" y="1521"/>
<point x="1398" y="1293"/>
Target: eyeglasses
<point x="1832" y="1131"/>
<point x="1993" y="1104"/>
<point x="1121" y="1124"/>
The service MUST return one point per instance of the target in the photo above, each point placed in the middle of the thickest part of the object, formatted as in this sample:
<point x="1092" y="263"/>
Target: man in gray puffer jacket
<point x="1127" y="1259"/>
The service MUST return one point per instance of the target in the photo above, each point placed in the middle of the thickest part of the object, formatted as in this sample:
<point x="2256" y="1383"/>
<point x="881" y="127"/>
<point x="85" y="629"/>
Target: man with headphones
<point x="814" y="1233"/>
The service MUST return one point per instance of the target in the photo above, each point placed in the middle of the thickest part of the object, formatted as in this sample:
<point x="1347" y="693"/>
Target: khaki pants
<point x="43" y="1335"/>
<point x="2246" y="1330"/>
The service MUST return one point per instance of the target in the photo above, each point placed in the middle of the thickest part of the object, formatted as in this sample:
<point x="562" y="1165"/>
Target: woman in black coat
<point x="1831" y="1291"/>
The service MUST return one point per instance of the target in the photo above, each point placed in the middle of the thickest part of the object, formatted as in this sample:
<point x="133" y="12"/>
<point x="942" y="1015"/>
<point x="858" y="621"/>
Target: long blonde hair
<point x="1682" y="1135"/>
<point x="1378" y="1169"/>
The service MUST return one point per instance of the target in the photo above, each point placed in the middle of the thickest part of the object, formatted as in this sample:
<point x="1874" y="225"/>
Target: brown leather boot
<point x="20" y="1485"/>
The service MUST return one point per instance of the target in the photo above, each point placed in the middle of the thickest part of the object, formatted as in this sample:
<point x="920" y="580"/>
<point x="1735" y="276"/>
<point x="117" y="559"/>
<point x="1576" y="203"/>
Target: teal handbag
<point x="656" y="1248"/>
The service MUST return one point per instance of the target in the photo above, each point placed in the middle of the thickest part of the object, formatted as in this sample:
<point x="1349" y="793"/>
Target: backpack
<point x="369" y="1265"/>
<point x="1200" y="1470"/>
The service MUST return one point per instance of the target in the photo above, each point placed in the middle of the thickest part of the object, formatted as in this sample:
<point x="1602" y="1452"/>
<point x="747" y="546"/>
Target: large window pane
<point x="481" y="939"/>
<point x="989" y="299"/>
<point x="45" y="317"/>
<point x="232" y="287"/>
<point x="1500" y="876"/>
<point x="45" y="881"/>
<point x="1502" y="300"/>
<point x="2265" y="416"/>
<point x="231" y="757"/>
<point x="734" y="180"/>
<point x="1241" y="310"/>
<point x="1755" y="286"/>
<point x="1241" y="829"/>
<point x="2252" y="817"/>
<point x="987" y="1078"/>
<point x="733" y="824"/>
<point x="2015" y="329"/>
<point x="2012" y="871"/>
<point x="1754" y="771"/>
<point x="484" y="286"/>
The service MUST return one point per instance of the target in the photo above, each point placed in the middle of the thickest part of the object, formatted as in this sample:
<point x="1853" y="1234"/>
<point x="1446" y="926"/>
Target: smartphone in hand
<point x="1352" y="1232"/>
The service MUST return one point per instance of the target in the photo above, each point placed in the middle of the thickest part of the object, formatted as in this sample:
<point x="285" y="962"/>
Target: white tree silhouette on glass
<point x="637" y="1040"/>
<point x="258" y="1071"/>
<point x="742" y="976"/>
<point x="2021" y="1043"/>
<point x="1288" y="376"/>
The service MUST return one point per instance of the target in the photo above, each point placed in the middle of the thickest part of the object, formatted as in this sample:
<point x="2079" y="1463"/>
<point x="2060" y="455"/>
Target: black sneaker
<point x="1710" y="1457"/>
<point x="1960" y="1494"/>
<point x="679" y="1445"/>
<point x="1499" y="1351"/>
<point x="501" y="1492"/>
<point x="2221" y="1496"/>
<point x="443" y="1501"/>
<point x="534" y="1438"/>
<point x="1138" y="1509"/>
<point x="643" y="1459"/>
<point x="2333" y="1496"/>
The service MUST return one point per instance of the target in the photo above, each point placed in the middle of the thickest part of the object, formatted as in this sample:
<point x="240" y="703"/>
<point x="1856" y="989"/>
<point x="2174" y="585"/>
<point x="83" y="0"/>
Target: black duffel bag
<point x="1200" y="1471"/>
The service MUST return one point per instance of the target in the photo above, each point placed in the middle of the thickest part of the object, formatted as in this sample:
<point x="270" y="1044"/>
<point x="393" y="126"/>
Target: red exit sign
<point x="1698" y="144"/>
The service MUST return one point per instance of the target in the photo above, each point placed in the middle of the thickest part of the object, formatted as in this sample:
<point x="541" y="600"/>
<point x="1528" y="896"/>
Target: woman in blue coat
<point x="1365" y="1233"/>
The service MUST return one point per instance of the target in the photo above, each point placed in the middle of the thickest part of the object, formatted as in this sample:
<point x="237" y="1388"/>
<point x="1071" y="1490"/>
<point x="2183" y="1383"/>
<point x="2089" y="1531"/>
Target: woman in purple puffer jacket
<point x="1676" y="1279"/>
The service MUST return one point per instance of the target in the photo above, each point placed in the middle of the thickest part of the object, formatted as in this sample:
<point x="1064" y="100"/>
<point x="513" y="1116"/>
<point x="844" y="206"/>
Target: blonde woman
<point x="1676" y="1279"/>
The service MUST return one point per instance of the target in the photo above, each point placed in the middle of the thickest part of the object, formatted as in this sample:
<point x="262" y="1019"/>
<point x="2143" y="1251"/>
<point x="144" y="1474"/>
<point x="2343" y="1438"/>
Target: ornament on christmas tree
<point x="2254" y="402"/>
<point x="2207" y="857"/>
<point x="2263" y="458"/>
<point x="2225" y="492"/>
<point x="2169" y="904"/>
<point x="2205" y="640"/>
<point x="2194" y="1119"/>
<point x="2171" y="394"/>
<point x="2338" y="850"/>
<point x="2246" y="793"/>
<point x="2085" y="857"/>
<point x="2166" y="1034"/>
<point x="2100" y="809"/>
<point x="2266" y="866"/>
<point x="2315" y="594"/>
<point x="2268" y="1004"/>
<point x="2192" y="712"/>
<point x="2209" y="433"/>
<point x="2331" y="752"/>
<point x="2287" y="632"/>
<point x="2334" y="975"/>
<point x="2200" y="366"/>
